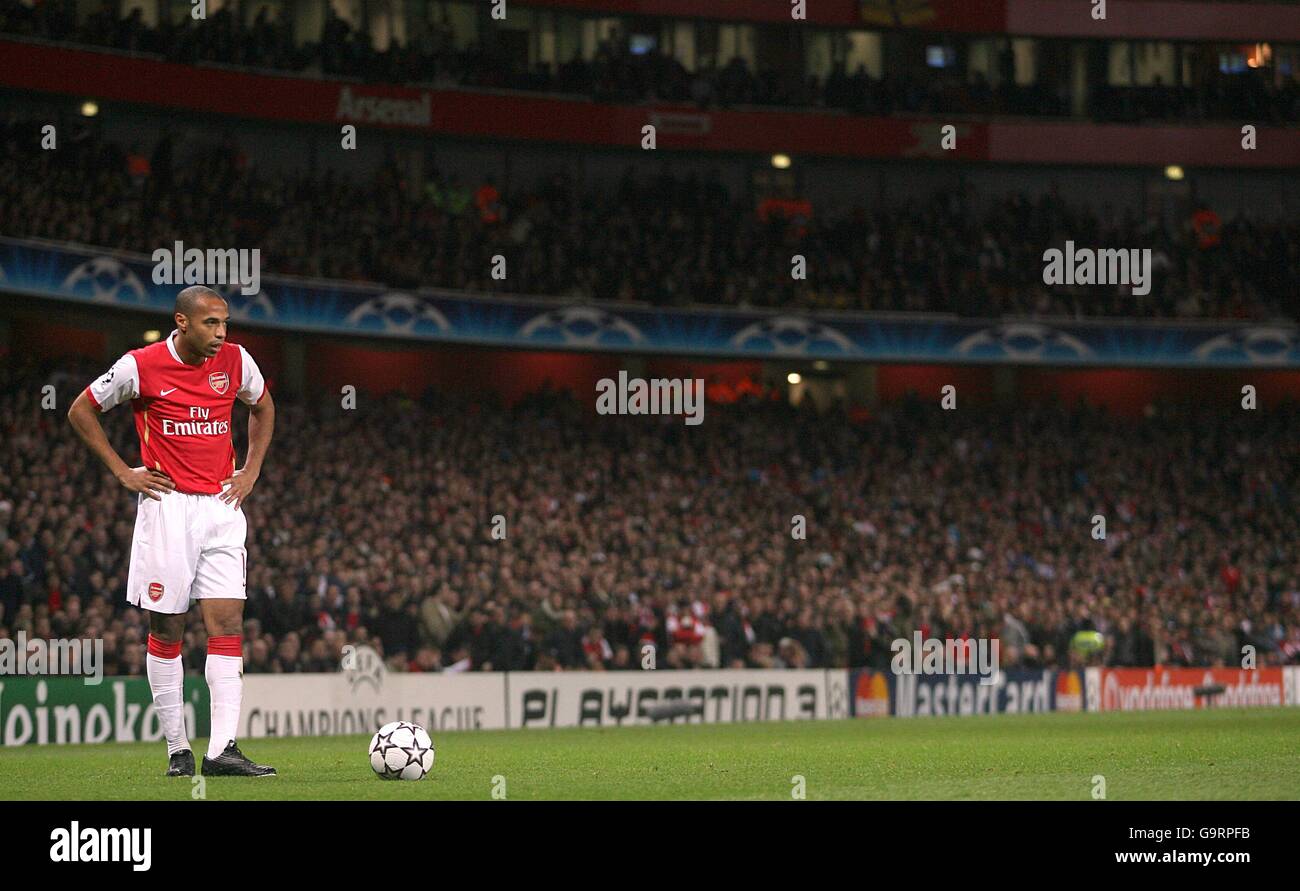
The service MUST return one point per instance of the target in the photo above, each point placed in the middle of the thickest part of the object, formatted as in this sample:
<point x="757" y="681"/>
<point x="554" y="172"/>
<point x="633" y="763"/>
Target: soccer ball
<point x="401" y="751"/>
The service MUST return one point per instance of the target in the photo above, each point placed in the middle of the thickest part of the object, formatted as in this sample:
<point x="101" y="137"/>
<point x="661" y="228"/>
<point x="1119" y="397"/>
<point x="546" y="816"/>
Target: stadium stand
<point x="666" y="239"/>
<point x="625" y="533"/>
<point x="616" y="73"/>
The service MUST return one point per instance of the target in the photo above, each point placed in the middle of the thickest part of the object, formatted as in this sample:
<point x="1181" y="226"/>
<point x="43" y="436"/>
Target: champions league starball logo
<point x="246" y="307"/>
<point x="1022" y="342"/>
<point x="792" y="336"/>
<point x="1257" y="345"/>
<point x="398" y="313"/>
<point x="363" y="667"/>
<point x="106" y="280"/>
<point x="581" y="326"/>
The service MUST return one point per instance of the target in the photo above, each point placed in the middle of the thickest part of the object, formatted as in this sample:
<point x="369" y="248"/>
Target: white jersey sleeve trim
<point x="252" y="385"/>
<point x="120" y="384"/>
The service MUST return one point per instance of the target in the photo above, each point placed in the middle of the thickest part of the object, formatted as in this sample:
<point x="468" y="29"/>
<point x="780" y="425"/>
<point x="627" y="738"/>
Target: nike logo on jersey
<point x="165" y="392"/>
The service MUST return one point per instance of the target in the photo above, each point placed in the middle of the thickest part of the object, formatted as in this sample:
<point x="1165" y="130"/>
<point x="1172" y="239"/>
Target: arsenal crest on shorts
<point x="219" y="381"/>
<point x="155" y="591"/>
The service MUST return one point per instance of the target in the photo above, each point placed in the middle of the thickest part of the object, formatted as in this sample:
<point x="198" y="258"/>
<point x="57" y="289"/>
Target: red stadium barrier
<point x="114" y="77"/>
<point x="1140" y="689"/>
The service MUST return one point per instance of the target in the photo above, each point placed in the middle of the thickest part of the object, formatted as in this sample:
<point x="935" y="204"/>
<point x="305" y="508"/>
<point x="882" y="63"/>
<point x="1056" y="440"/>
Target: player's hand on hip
<point x="153" y="483"/>
<point x="241" y="484"/>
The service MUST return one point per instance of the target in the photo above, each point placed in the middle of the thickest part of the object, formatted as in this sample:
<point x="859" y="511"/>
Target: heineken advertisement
<point x="62" y="710"/>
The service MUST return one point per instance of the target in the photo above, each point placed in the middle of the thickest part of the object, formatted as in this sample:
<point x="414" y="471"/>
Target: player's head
<point x="201" y="317"/>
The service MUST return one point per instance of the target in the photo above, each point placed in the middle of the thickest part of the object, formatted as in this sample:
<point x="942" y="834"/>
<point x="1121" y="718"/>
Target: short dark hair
<point x="187" y="301"/>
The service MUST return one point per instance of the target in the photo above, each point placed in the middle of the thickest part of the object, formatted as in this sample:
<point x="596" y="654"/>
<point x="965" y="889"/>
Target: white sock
<point x="166" y="680"/>
<point x="226" y="689"/>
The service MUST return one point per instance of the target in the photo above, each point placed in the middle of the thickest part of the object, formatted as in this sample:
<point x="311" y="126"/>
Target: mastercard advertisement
<point x="881" y="694"/>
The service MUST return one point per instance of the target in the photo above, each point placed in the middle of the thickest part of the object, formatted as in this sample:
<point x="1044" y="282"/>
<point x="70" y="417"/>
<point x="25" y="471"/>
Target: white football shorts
<point x="186" y="548"/>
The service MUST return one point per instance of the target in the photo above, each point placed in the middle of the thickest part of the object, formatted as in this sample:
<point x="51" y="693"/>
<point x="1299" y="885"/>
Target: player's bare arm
<point x="84" y="418"/>
<point x="261" y="424"/>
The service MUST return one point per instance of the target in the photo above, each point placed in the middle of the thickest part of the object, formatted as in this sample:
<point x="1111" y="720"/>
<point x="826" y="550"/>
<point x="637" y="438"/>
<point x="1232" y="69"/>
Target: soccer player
<point x="190" y="527"/>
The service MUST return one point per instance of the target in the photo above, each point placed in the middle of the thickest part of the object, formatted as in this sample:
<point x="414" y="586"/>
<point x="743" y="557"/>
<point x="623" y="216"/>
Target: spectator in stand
<point x="395" y="624"/>
<point x="920" y="527"/>
<point x="617" y="73"/>
<point x="565" y="643"/>
<point x="285" y="613"/>
<point x="663" y="240"/>
<point x="599" y="654"/>
<point x="438" y="616"/>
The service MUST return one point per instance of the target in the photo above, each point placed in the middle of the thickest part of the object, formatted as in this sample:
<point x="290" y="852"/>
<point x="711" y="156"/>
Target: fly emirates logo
<point x="197" y="425"/>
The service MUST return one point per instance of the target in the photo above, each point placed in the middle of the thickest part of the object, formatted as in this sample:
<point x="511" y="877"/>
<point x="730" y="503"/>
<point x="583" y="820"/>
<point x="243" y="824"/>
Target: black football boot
<point x="181" y="764"/>
<point x="232" y="763"/>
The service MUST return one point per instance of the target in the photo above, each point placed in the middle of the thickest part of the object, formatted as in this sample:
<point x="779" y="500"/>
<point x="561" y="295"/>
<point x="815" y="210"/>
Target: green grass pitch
<point x="1219" y="754"/>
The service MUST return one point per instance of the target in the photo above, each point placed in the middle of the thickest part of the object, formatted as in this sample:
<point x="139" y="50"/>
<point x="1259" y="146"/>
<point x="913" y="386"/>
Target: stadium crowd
<point x="663" y="239"/>
<point x="375" y="526"/>
<point x="616" y="73"/>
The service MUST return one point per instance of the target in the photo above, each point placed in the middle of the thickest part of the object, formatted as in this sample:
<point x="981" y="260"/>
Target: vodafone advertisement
<point x="1140" y="689"/>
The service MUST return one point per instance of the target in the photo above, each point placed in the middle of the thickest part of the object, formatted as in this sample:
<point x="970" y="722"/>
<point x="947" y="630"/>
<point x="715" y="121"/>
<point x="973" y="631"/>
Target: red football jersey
<point x="182" y="412"/>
